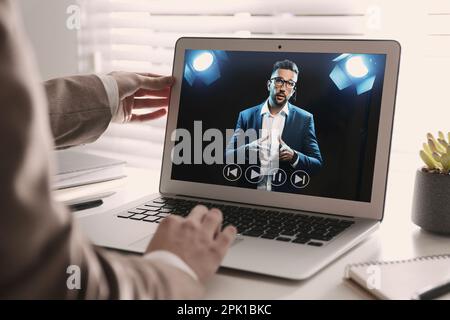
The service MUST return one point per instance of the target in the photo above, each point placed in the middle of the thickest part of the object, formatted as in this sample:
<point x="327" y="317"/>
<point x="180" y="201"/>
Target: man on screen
<point x="286" y="135"/>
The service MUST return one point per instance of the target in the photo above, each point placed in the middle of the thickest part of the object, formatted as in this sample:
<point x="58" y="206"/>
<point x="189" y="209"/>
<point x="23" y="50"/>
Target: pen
<point x="87" y="202"/>
<point x="433" y="292"/>
<point x="86" y="205"/>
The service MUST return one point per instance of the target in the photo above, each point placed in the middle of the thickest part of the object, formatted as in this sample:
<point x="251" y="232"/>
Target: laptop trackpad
<point x="141" y="244"/>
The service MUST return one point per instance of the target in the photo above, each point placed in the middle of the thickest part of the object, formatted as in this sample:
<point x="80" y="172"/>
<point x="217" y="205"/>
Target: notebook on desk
<point x="76" y="168"/>
<point x="401" y="279"/>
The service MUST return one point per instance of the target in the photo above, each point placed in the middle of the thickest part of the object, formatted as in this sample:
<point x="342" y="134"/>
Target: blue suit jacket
<point x="298" y="133"/>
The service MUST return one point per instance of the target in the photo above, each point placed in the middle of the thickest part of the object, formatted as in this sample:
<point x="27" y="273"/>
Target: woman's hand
<point x="138" y="91"/>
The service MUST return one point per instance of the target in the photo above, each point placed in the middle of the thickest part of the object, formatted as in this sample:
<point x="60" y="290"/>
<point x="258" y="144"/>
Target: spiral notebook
<point x="400" y="279"/>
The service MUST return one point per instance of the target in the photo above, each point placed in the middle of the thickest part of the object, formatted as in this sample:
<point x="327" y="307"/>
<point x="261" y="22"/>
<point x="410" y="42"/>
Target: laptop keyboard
<point x="268" y="224"/>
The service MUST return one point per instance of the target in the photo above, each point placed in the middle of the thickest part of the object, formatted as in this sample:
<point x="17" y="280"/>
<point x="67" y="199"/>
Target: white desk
<point x="397" y="238"/>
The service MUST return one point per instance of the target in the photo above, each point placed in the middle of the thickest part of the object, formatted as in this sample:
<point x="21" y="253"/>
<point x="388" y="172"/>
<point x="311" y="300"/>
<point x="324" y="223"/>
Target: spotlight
<point x="203" y="65"/>
<point x="203" y="61"/>
<point x="353" y="69"/>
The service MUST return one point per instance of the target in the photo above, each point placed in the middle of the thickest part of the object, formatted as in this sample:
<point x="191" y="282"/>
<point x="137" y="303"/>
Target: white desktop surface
<point x="397" y="238"/>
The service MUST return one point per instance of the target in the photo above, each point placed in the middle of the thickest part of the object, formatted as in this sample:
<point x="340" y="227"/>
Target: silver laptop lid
<point x="325" y="148"/>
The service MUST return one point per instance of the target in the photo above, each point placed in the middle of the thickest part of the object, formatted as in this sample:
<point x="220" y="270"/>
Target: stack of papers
<point x="76" y="168"/>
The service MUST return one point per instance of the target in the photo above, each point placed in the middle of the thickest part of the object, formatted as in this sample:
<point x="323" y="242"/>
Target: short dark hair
<point x="285" y="64"/>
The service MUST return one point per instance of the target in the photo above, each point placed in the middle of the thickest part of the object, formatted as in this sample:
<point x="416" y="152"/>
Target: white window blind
<point x="137" y="35"/>
<point x="437" y="65"/>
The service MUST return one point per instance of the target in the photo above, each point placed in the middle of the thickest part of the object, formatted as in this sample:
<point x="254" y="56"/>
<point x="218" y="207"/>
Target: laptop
<point x="290" y="138"/>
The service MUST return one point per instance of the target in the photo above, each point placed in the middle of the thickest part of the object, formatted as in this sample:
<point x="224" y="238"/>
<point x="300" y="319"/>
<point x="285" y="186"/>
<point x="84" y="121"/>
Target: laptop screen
<point x="301" y="123"/>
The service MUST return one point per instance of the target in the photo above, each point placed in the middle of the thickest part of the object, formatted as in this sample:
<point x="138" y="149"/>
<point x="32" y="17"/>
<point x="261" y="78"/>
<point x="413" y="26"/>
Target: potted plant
<point x="431" y="204"/>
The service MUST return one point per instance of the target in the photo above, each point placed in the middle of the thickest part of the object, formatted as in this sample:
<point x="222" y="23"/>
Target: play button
<point x="300" y="179"/>
<point x="232" y="172"/>
<point x="253" y="174"/>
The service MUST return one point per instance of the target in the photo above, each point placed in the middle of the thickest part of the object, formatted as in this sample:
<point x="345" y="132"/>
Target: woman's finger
<point x="150" y="103"/>
<point x="163" y="93"/>
<point x="149" y="74"/>
<point x="155" y="83"/>
<point x="148" y="116"/>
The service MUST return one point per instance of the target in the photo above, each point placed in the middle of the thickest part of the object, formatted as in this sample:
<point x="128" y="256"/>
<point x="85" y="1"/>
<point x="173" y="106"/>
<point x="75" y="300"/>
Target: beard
<point x="279" y="100"/>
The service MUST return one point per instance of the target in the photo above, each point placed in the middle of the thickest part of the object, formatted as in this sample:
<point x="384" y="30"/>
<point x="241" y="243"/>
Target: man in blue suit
<point x="285" y="139"/>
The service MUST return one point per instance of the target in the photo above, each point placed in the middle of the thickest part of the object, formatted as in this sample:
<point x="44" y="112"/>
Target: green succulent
<point x="436" y="153"/>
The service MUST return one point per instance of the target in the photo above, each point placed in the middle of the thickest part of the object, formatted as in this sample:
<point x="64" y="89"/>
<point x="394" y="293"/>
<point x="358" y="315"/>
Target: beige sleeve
<point x="79" y="109"/>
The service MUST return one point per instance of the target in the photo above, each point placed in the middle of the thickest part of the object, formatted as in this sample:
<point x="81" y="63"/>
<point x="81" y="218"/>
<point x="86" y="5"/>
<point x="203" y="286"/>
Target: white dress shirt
<point x="272" y="125"/>
<point x="112" y="91"/>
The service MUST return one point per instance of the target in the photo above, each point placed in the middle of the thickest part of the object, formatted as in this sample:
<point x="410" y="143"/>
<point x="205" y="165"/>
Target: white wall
<point x="54" y="44"/>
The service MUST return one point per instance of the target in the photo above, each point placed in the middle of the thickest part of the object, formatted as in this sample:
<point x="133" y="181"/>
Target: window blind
<point x="137" y="35"/>
<point x="437" y="60"/>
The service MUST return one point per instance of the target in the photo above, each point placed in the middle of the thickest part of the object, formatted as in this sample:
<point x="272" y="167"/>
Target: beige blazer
<point x="39" y="240"/>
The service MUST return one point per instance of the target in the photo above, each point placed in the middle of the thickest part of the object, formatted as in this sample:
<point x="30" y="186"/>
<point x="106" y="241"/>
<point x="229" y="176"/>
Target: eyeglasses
<point x="279" y="82"/>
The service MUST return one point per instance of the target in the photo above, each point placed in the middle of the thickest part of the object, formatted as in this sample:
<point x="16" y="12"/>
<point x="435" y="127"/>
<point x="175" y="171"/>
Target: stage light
<point x="356" y="70"/>
<point x="203" y="66"/>
<point x="203" y="61"/>
<point x="355" y="67"/>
